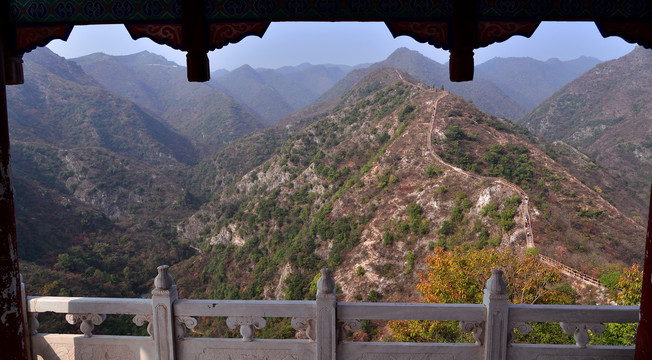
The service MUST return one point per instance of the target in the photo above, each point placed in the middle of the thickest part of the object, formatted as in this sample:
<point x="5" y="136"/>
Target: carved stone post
<point x="163" y="298"/>
<point x="326" y="324"/>
<point x="497" y="304"/>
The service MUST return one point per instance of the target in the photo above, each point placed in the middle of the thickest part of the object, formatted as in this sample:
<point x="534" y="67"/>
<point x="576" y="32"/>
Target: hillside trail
<point x="419" y="85"/>
<point x="526" y="221"/>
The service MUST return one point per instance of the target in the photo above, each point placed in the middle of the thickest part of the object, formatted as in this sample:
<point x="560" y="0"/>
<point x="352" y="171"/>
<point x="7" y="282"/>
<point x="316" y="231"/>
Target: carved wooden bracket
<point x="29" y="38"/>
<point x="247" y="325"/>
<point x="307" y="323"/>
<point x="435" y="33"/>
<point x="352" y="324"/>
<point x="88" y="322"/>
<point x="632" y="32"/>
<point x="580" y="331"/>
<point x="164" y="34"/>
<point x="140" y="320"/>
<point x="224" y="33"/>
<point x="490" y="32"/>
<point x="183" y="324"/>
<point x="522" y="327"/>
<point x="475" y="327"/>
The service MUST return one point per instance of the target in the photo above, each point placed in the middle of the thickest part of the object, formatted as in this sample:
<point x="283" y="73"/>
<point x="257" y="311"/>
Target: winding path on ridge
<point x="526" y="221"/>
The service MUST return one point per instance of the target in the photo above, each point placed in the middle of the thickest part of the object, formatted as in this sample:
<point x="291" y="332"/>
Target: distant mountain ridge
<point x="63" y="105"/>
<point x="503" y="87"/>
<point x="529" y="81"/>
<point x="204" y="114"/>
<point x="498" y="87"/>
<point x="274" y="94"/>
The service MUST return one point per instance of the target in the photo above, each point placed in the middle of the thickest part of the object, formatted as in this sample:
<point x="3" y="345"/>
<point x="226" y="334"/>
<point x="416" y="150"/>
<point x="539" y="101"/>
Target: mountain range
<point x="502" y="87"/>
<point x="365" y="185"/>
<point x="356" y="174"/>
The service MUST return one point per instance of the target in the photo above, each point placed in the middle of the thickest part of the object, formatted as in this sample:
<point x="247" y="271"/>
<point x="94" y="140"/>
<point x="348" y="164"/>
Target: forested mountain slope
<point x="375" y="185"/>
<point x="606" y="114"/>
<point x="368" y="183"/>
<point x="98" y="182"/>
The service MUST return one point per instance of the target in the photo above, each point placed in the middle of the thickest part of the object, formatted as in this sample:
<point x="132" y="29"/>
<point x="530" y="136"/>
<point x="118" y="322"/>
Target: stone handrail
<point x="64" y="305"/>
<point x="409" y="311"/>
<point x="262" y="308"/>
<point x="326" y="322"/>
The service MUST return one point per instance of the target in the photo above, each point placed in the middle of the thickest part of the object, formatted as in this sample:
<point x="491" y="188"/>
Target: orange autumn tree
<point x="459" y="276"/>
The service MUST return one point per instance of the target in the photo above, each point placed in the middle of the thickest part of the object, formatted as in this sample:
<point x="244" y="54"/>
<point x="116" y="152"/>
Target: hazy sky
<point x="346" y="43"/>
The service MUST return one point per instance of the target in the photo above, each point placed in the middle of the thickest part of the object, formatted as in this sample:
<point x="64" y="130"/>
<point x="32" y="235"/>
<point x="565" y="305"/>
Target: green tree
<point x="630" y="283"/>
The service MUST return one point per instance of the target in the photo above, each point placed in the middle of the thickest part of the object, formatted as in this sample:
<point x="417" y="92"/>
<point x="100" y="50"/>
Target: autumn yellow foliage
<point x="459" y="276"/>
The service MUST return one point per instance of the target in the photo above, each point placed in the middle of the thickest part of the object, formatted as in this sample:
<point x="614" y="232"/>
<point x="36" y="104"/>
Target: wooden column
<point x="644" y="332"/>
<point x="194" y="39"/>
<point x="464" y="30"/>
<point x="12" y="328"/>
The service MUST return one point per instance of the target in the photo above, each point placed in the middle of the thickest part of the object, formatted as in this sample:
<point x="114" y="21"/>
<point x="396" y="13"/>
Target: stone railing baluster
<point x="326" y="326"/>
<point x="580" y="331"/>
<point x="305" y="323"/>
<point x="352" y="324"/>
<point x="163" y="298"/>
<point x="88" y="322"/>
<point x="497" y="304"/>
<point x="492" y="325"/>
<point x="247" y="324"/>
<point x="141" y="319"/>
<point x="184" y="323"/>
<point x="474" y="327"/>
<point x="522" y="327"/>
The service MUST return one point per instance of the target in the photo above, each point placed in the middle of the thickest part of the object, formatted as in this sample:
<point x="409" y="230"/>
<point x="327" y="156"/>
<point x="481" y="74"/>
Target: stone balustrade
<point x="326" y="324"/>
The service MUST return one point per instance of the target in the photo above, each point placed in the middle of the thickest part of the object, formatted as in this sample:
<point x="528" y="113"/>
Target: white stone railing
<point x="326" y="324"/>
